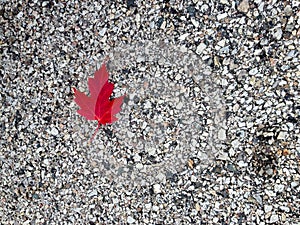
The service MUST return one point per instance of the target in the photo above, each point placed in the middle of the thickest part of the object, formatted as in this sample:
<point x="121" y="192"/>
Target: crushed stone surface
<point x="209" y="128"/>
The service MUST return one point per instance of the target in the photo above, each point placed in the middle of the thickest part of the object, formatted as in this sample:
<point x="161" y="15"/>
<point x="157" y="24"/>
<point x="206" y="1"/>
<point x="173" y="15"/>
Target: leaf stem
<point x="99" y="124"/>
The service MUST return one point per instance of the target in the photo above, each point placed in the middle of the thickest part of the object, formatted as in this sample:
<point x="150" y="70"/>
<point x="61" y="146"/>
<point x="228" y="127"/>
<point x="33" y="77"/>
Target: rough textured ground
<point x="209" y="131"/>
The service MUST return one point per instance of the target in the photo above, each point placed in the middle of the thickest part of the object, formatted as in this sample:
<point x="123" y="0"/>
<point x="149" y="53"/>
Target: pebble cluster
<point x="209" y="130"/>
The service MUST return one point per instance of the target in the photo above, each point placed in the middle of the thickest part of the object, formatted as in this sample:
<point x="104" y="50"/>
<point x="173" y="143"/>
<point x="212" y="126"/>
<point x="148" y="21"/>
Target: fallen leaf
<point x="98" y="106"/>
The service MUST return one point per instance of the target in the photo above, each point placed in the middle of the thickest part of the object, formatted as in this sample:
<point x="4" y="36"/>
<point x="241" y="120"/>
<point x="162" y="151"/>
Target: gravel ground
<point x="209" y="130"/>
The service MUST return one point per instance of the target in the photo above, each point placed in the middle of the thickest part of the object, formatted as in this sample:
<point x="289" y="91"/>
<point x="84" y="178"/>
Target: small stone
<point x="274" y="218"/>
<point x="268" y="104"/>
<point x="269" y="171"/>
<point x="152" y="25"/>
<point x="225" y="2"/>
<point x="204" y="8"/>
<point x="163" y="25"/>
<point x="224" y="157"/>
<point x="222" y="134"/>
<point x="179" y="105"/>
<point x="222" y="16"/>
<point x="222" y="44"/>
<point x="148" y="206"/>
<point x="270" y="193"/>
<point x="242" y="164"/>
<point x="193" y="178"/>
<point x="215" y="220"/>
<point x="102" y="32"/>
<point x="161" y="177"/>
<point x="130" y="3"/>
<point x="284" y="208"/>
<point x="225" y="50"/>
<point x="53" y="131"/>
<point x="260" y="102"/>
<point x="139" y="166"/>
<point x="243" y="6"/>
<point x="200" y="48"/>
<point x="231" y="152"/>
<point x="249" y="151"/>
<point x="138" y="19"/>
<point x="130" y="220"/>
<point x="148" y="105"/>
<point x="235" y="143"/>
<point x="231" y="167"/>
<point x="156" y="188"/>
<point x="278" y="34"/>
<point x="184" y="36"/>
<point x="258" y="198"/>
<point x="268" y="208"/>
<point x="35" y="196"/>
<point x="236" y="107"/>
<point x="279" y="187"/>
<point x="93" y="193"/>
<point x="292" y="54"/>
<point x="195" y="22"/>
<point x="61" y="29"/>
<point x="155" y="208"/>
<point x="151" y="151"/>
<point x="130" y="134"/>
<point x="137" y="158"/>
<point x="253" y="71"/>
<point x="252" y="81"/>
<point x="282" y="135"/>
<point x="294" y="184"/>
<point x="198" y="207"/>
<point x="46" y="162"/>
<point x="288" y="11"/>
<point x="178" y="77"/>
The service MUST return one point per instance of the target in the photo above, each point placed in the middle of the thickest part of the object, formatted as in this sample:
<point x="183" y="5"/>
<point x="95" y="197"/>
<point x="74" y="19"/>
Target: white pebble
<point x="53" y="131"/>
<point x="222" y="134"/>
<point x="179" y="105"/>
<point x="184" y="36"/>
<point x="235" y="143"/>
<point x="268" y="208"/>
<point x="278" y="34"/>
<point x="195" y="22"/>
<point x="242" y="164"/>
<point x="178" y="77"/>
<point x="225" y="2"/>
<point x="268" y="104"/>
<point x="200" y="48"/>
<point x="148" y="206"/>
<point x="130" y="220"/>
<point x="281" y="135"/>
<point x="156" y="188"/>
<point x="222" y="43"/>
<point x="279" y="187"/>
<point x="284" y="208"/>
<point x="253" y="71"/>
<point x="260" y="101"/>
<point x="102" y="32"/>
<point x="221" y="16"/>
<point x="151" y="151"/>
<point x="139" y="166"/>
<point x="155" y="208"/>
<point x="274" y="218"/>
<point x="148" y="105"/>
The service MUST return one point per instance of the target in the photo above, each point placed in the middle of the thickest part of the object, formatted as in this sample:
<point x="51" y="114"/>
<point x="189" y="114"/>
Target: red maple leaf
<point x="98" y="106"/>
